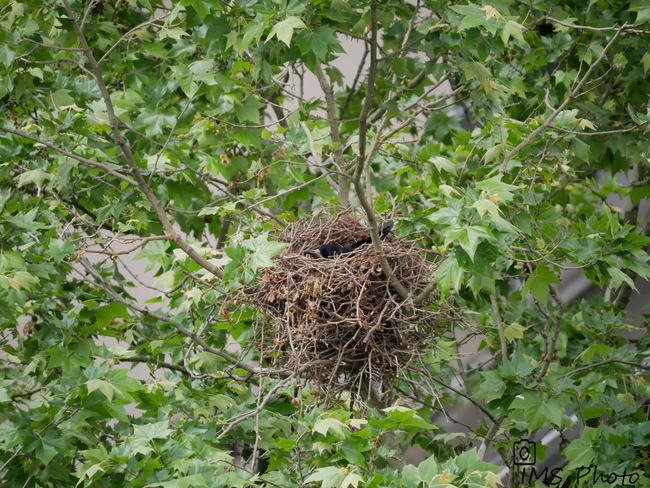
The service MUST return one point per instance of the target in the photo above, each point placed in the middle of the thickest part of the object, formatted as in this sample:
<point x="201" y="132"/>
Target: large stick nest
<point x="339" y="319"/>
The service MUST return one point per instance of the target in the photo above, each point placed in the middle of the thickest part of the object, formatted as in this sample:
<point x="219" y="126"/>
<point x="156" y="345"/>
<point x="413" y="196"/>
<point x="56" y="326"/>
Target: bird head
<point x="325" y="251"/>
<point x="315" y="253"/>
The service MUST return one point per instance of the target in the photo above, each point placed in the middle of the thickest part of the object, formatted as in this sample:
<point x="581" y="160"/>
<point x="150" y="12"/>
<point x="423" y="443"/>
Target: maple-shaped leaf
<point x="284" y="29"/>
<point x="491" y="12"/>
<point x="586" y="124"/>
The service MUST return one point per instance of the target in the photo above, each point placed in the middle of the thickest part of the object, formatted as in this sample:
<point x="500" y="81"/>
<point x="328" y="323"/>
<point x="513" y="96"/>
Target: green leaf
<point x="7" y="55"/>
<point x="27" y="221"/>
<point x="468" y="237"/>
<point x="404" y="417"/>
<point x="601" y="349"/>
<point x="59" y="249"/>
<point x="325" y="425"/>
<point x="320" y="42"/>
<point x="487" y="205"/>
<point x="518" y="367"/>
<point x="443" y="164"/>
<point x="104" y="386"/>
<point x="512" y="29"/>
<point x="144" y="434"/>
<point x="188" y="85"/>
<point x="190" y="481"/>
<point x="173" y="33"/>
<point x="491" y="386"/>
<point x="62" y="98"/>
<point x="352" y="479"/>
<point x="549" y="411"/>
<point x="492" y="154"/>
<point x="260" y="260"/>
<point x="263" y="250"/>
<point x="643" y="15"/>
<point x="476" y="70"/>
<point x="105" y="315"/>
<point x="352" y="450"/>
<point x="284" y="29"/>
<point x="154" y="122"/>
<point x="262" y="257"/>
<point x="449" y="274"/>
<point x="36" y="177"/>
<point x="581" y="451"/>
<point x="474" y="17"/>
<point x="249" y="111"/>
<point x="495" y="187"/>
<point x="428" y="469"/>
<point x="618" y="277"/>
<point x="234" y="40"/>
<point x="646" y="61"/>
<point x="11" y="261"/>
<point x="17" y="11"/>
<point x="45" y="448"/>
<point x="25" y="279"/>
<point x="330" y="476"/>
<point x="254" y="30"/>
<point x="514" y="331"/>
<point x="203" y="66"/>
<point x="446" y="215"/>
<point x="202" y="7"/>
<point x="10" y="436"/>
<point x="156" y="255"/>
<point x="538" y="283"/>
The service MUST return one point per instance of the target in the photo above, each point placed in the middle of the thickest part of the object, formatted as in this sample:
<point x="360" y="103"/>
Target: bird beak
<point x="315" y="253"/>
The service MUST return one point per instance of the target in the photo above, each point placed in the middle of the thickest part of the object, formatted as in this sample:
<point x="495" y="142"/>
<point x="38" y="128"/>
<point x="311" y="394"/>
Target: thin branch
<point x="602" y="363"/>
<point x="566" y="102"/>
<point x="502" y="335"/>
<point x="551" y="352"/>
<point x="101" y="283"/>
<point x="159" y="364"/>
<point x="255" y="206"/>
<point x="636" y="128"/>
<point x="344" y="185"/>
<point x="370" y="92"/>
<point x="134" y="248"/>
<point x="351" y="34"/>
<point x="473" y="401"/>
<point x="58" y="48"/>
<point x="410" y="120"/>
<point x="271" y="394"/>
<point x="595" y="29"/>
<point x="460" y="364"/>
<point x="414" y="83"/>
<point x="292" y="189"/>
<point x="489" y="438"/>
<point x="353" y="86"/>
<point x="89" y="162"/>
<point x="137" y="27"/>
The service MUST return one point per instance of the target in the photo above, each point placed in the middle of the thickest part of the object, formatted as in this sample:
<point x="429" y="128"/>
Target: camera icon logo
<point x="524" y="453"/>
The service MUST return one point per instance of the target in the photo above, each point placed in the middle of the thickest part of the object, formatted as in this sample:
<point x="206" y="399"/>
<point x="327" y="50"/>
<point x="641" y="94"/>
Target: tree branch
<point x="126" y="151"/>
<point x="602" y="363"/>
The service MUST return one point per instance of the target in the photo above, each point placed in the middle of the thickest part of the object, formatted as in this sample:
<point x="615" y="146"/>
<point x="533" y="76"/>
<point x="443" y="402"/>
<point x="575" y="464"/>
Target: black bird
<point x="330" y="250"/>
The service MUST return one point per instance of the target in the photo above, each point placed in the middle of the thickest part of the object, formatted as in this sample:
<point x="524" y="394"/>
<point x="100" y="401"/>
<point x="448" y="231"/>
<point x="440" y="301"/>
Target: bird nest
<point x="339" y="320"/>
